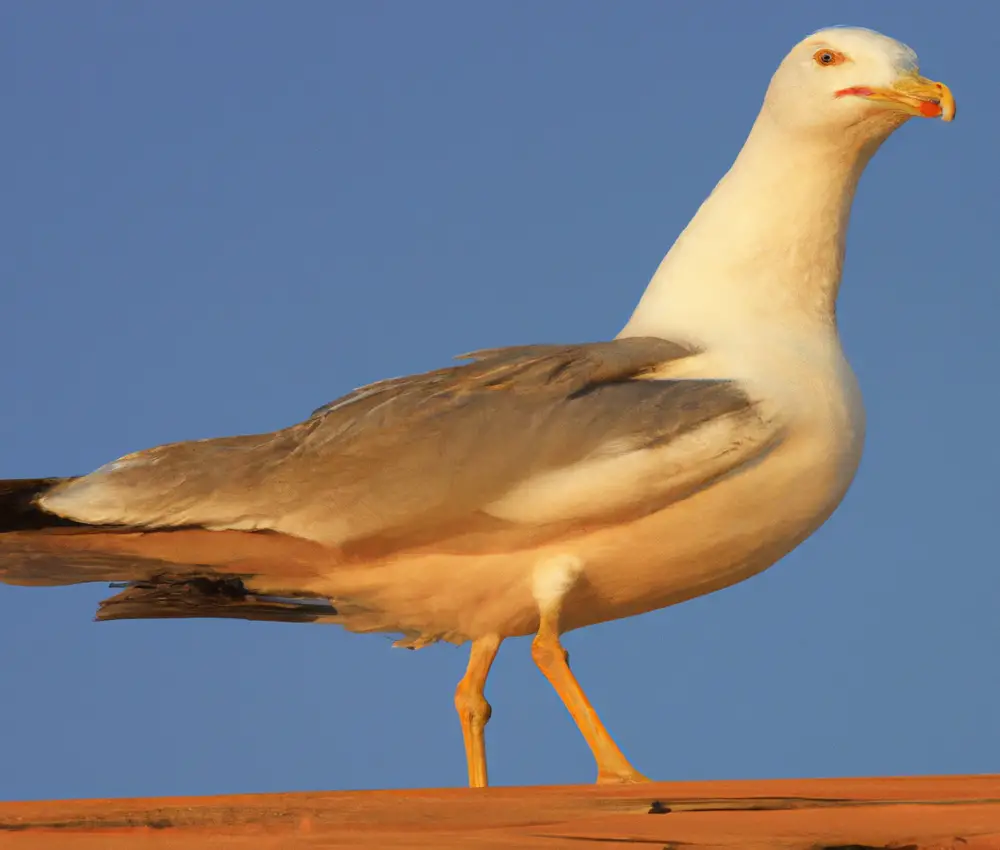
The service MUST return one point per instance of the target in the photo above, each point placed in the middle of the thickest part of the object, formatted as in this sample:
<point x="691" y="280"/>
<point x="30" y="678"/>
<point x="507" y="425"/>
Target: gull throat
<point x="765" y="251"/>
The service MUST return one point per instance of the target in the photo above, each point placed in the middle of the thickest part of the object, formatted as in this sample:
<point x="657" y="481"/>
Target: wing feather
<point x="431" y="450"/>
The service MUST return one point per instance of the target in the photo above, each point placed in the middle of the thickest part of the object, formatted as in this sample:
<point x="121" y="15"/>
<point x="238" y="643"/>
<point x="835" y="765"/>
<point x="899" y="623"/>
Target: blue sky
<point x="217" y="216"/>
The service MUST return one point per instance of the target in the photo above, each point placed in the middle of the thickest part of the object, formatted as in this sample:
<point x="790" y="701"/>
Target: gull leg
<point x="473" y="709"/>
<point x="548" y="653"/>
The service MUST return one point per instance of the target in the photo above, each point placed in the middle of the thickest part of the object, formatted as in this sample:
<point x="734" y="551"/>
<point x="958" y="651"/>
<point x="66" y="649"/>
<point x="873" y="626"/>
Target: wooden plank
<point x="916" y="813"/>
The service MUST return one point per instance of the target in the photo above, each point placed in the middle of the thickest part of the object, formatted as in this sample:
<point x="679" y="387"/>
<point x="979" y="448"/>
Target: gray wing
<point x="527" y="435"/>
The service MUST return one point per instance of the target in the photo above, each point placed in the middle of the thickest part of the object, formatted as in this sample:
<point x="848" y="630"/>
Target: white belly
<point x="715" y="538"/>
<point x="743" y="523"/>
<point x="725" y="532"/>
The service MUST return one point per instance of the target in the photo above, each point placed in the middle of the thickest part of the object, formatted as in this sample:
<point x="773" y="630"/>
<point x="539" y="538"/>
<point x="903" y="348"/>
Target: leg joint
<point x="471" y="704"/>
<point x="546" y="650"/>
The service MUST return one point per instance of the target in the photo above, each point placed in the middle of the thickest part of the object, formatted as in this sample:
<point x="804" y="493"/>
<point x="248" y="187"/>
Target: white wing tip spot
<point x="553" y="577"/>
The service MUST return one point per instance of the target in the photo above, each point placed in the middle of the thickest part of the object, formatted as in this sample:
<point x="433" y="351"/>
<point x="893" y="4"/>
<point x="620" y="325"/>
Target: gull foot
<point x="631" y="778"/>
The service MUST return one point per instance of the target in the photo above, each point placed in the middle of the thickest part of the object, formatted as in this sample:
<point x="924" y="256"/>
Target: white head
<point x="765" y="250"/>
<point x="850" y="78"/>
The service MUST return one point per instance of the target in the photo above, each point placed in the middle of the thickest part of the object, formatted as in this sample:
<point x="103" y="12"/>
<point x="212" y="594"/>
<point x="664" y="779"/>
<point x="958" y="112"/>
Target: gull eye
<point x="828" y="57"/>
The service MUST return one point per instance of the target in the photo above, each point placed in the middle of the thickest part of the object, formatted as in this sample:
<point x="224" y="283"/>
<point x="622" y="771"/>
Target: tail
<point x="171" y="597"/>
<point x="185" y="572"/>
<point x="18" y="511"/>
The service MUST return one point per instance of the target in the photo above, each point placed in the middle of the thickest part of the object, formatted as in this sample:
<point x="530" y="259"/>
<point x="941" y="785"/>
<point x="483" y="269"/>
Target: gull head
<point x="852" y="79"/>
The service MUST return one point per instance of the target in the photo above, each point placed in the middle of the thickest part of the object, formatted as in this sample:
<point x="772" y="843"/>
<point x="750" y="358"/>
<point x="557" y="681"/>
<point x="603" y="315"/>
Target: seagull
<point x="536" y="489"/>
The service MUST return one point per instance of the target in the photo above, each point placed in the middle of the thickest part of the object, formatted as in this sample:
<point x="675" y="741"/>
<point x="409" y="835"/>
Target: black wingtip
<point x="19" y="509"/>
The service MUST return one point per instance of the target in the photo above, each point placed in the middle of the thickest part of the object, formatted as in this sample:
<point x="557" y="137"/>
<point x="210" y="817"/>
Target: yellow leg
<point x="552" y="660"/>
<point x="473" y="709"/>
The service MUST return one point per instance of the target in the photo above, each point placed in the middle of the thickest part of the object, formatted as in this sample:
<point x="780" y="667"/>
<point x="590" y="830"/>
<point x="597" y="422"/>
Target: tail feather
<point x="184" y="572"/>
<point x="169" y="597"/>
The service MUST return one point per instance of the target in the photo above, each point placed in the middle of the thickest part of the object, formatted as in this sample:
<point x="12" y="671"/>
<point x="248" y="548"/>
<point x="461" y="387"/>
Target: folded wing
<point x="527" y="436"/>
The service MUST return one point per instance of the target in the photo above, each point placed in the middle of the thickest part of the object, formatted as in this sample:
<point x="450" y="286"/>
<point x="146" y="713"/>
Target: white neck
<point x="764" y="252"/>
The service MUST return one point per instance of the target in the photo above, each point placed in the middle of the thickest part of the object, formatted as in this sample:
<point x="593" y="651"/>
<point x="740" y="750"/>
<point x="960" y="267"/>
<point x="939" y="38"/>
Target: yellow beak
<point x="913" y="94"/>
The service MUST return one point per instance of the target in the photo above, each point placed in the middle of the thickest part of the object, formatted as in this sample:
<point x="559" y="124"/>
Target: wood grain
<point x="916" y="813"/>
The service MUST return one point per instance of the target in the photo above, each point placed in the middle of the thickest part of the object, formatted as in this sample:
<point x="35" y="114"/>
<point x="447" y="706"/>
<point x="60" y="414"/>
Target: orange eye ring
<point x="828" y="58"/>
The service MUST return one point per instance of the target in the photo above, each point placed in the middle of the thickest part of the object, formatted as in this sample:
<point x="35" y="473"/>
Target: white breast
<point x="744" y="522"/>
